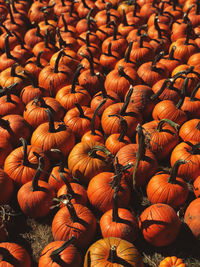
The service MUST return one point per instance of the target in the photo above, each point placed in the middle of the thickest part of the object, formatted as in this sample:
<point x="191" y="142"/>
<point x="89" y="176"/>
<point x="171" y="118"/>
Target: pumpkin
<point x="74" y="220"/>
<point x="13" y="254"/>
<point x="159" y="224"/>
<point x="87" y="159"/>
<point x="35" y="198"/>
<point x="191" y="217"/>
<point x="196" y="188"/>
<point x="22" y="162"/>
<point x="119" y="222"/>
<point x="112" y="251"/>
<point x="168" y="188"/>
<point x="101" y="189"/>
<point x="55" y="135"/>
<point x="172" y="261"/>
<point x="59" y="253"/>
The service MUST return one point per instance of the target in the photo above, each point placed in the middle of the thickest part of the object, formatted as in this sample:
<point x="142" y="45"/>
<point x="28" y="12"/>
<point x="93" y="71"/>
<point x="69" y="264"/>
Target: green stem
<point x="113" y="254"/>
<point x="93" y="152"/>
<point x="34" y="186"/>
<point x="174" y="171"/>
<point x="171" y="123"/>
<point x="88" y="19"/>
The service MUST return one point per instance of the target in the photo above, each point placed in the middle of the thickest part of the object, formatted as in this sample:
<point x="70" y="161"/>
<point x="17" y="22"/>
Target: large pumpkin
<point x="113" y="251"/>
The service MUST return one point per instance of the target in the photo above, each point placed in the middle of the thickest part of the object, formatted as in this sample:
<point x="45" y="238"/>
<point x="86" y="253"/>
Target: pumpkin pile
<point x="96" y="96"/>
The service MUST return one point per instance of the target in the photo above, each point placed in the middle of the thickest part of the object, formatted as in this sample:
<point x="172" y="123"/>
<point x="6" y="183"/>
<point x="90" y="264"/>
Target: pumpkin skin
<point x="191" y="217"/>
<point x="160" y="190"/>
<point x="125" y="250"/>
<point x="172" y="261"/>
<point x="19" y="255"/>
<point x="159" y="224"/>
<point x="70" y="256"/>
<point x="83" y="227"/>
<point x="100" y="192"/>
<point x="146" y="168"/>
<point x="82" y="165"/>
<point x="125" y="226"/>
<point x="196" y="187"/>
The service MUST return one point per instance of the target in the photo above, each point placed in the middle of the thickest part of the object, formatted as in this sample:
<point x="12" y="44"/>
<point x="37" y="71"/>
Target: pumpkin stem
<point x="128" y="52"/>
<point x="38" y="33"/>
<point x="142" y="27"/>
<point x="102" y="88"/>
<point x="73" y="215"/>
<point x="171" y="123"/>
<point x="126" y="102"/>
<point x="55" y="255"/>
<point x="81" y="112"/>
<point x="90" y="60"/>
<point x="60" y="39"/>
<point x="115" y="215"/>
<point x="174" y="171"/>
<point x="142" y="39"/>
<point x="135" y="8"/>
<point x="123" y="74"/>
<point x="174" y="4"/>
<point x="51" y="121"/>
<point x="37" y="62"/>
<point x="63" y="2"/>
<point x="84" y="4"/>
<point x="11" y="15"/>
<point x="140" y="154"/>
<point x="195" y="149"/>
<point x="34" y="186"/>
<point x="46" y="39"/>
<point x="13" y="70"/>
<point x="183" y="93"/>
<point x="71" y="8"/>
<point x="192" y="96"/>
<point x="89" y="19"/>
<point x="25" y="161"/>
<point x="94" y="116"/>
<point x="108" y="22"/>
<point x="113" y="254"/>
<point x="171" y="54"/>
<point x="7" y="47"/>
<point x="110" y="50"/>
<point x="155" y="60"/>
<point x="75" y="79"/>
<point x="124" y="128"/>
<point x="114" y="30"/>
<point x="188" y="32"/>
<point x="124" y="18"/>
<point x="157" y="27"/>
<point x="14" y="7"/>
<point x="93" y="152"/>
<point x="60" y="54"/>
<point x="197" y="7"/>
<point x="70" y="191"/>
<point x="162" y="88"/>
<point x="64" y="23"/>
<point x="6" y="256"/>
<point x="6" y="29"/>
<point x="5" y="124"/>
